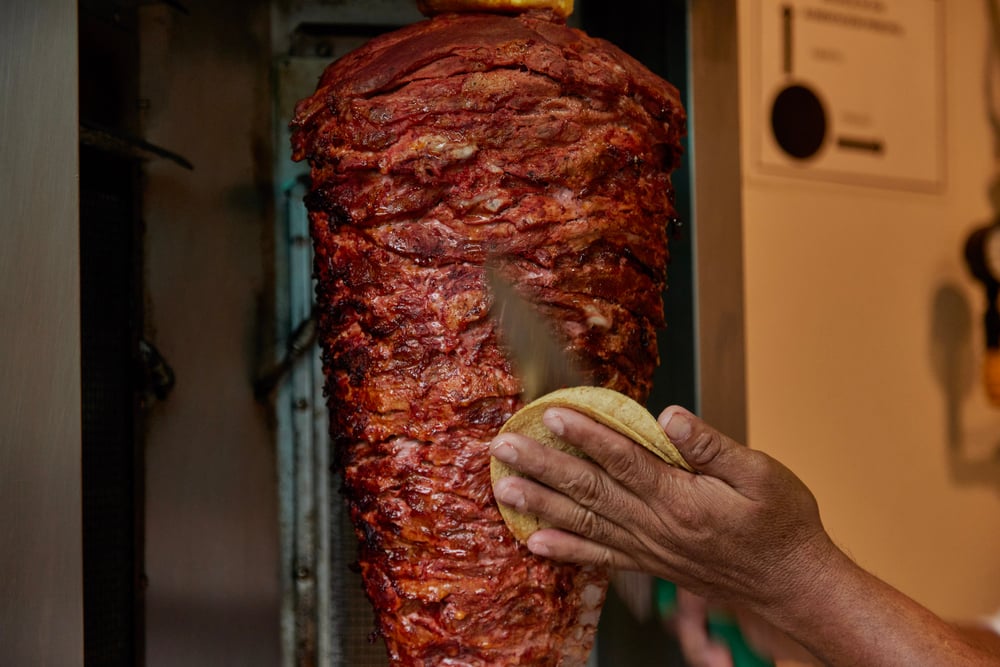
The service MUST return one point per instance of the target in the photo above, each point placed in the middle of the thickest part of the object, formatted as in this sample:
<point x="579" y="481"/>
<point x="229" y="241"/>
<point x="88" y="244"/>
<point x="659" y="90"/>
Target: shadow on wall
<point x="955" y="367"/>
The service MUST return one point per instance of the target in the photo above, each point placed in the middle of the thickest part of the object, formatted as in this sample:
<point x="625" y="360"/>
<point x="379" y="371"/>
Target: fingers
<point x="710" y="452"/>
<point x="691" y="622"/>
<point x="591" y="534"/>
<point x="571" y="548"/>
<point x="570" y="490"/>
<point x="625" y="461"/>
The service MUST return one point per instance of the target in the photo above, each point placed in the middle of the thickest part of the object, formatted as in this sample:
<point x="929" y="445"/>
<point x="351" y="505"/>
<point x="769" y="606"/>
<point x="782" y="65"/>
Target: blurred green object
<point x="720" y="626"/>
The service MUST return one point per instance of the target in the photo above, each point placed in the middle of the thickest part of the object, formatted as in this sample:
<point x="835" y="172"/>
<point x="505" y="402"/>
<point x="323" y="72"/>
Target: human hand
<point x="734" y="530"/>
<point x="690" y="622"/>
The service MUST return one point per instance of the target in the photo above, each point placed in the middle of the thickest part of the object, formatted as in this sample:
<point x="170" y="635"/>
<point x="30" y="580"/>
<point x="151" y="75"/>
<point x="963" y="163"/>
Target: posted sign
<point x="849" y="90"/>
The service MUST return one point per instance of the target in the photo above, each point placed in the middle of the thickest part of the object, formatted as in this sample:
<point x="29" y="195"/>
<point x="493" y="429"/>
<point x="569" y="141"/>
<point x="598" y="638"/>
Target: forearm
<point x="846" y="616"/>
<point x="980" y="635"/>
<point x="744" y="531"/>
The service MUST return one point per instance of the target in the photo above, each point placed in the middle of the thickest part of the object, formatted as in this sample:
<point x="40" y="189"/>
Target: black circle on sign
<point x="798" y="121"/>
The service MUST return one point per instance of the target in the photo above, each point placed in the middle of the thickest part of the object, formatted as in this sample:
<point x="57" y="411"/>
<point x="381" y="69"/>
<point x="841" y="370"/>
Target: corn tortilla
<point x="605" y="406"/>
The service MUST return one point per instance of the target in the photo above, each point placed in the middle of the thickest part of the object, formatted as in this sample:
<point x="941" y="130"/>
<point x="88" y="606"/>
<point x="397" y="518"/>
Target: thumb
<point x="705" y="449"/>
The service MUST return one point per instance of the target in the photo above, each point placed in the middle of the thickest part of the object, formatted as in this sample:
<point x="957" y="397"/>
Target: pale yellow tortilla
<point x="605" y="406"/>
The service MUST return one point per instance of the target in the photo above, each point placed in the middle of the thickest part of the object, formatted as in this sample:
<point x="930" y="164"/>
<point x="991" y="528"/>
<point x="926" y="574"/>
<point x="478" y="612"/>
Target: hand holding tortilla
<point x="605" y="406"/>
<point x="744" y="530"/>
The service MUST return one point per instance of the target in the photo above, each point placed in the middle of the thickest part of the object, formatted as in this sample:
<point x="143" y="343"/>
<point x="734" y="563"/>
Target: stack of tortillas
<point x="605" y="406"/>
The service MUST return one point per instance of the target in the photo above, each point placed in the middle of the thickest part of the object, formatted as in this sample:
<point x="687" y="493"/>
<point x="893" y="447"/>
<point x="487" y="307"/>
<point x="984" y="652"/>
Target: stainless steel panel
<point x="41" y="589"/>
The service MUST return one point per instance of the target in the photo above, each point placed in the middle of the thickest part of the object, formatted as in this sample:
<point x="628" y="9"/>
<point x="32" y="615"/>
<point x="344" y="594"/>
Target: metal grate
<point x="357" y="617"/>
<point x="326" y="620"/>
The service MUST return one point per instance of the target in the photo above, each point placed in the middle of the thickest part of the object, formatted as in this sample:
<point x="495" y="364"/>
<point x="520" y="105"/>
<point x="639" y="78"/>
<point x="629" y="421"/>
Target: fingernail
<point x="503" y="450"/>
<point x="538" y="547"/>
<point x="554" y="422"/>
<point x="677" y="427"/>
<point x="507" y="495"/>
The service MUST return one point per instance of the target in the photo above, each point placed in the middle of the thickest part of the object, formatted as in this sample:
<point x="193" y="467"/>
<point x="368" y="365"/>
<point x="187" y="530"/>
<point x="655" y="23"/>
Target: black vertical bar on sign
<point x="787" y="38"/>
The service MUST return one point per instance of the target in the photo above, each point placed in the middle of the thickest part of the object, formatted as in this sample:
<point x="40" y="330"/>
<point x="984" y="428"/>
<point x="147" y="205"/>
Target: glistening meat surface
<point x="433" y="149"/>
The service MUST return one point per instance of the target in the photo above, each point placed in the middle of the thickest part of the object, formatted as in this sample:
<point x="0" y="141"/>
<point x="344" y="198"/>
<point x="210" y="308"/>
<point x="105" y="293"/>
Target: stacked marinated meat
<point x="454" y="141"/>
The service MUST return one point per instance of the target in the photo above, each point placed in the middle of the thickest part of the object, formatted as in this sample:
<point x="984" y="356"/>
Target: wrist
<point x="844" y="615"/>
<point x="806" y="585"/>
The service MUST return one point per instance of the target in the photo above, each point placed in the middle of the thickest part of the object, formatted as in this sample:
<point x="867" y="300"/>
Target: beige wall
<point x="864" y="344"/>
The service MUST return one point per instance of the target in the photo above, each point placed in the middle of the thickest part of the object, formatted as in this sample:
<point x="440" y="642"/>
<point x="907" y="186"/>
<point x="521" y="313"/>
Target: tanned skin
<point x="744" y="531"/>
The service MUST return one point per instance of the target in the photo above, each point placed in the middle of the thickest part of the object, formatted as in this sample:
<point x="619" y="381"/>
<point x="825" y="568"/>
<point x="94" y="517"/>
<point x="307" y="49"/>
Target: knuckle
<point x="585" y="523"/>
<point x="705" y="446"/>
<point x="685" y="516"/>
<point x="640" y="469"/>
<point x="689" y="513"/>
<point x="629" y="463"/>
<point x="605" y="559"/>
<point x="586" y="488"/>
